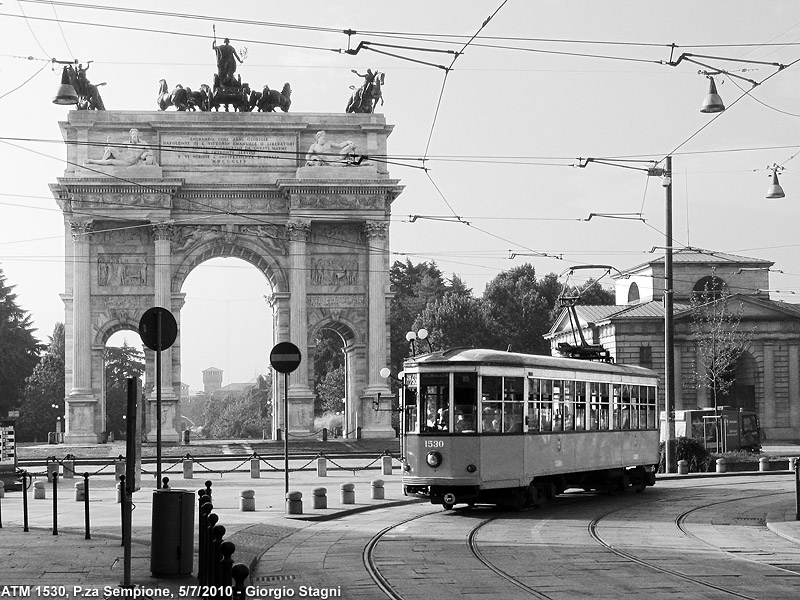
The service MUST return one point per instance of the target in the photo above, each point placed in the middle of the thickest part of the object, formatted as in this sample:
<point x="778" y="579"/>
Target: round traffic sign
<point x="158" y="328"/>
<point x="285" y="357"/>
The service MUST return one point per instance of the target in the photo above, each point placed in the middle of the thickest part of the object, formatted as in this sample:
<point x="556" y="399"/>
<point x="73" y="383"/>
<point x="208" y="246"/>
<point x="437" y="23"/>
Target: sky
<point x="490" y="143"/>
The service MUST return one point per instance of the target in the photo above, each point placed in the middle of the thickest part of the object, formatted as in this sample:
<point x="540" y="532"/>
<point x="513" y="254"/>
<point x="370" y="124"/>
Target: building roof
<point x="698" y="255"/>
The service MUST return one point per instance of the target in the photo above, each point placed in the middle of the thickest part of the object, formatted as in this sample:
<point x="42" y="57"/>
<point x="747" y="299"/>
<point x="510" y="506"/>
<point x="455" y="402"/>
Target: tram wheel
<point x="448" y="505"/>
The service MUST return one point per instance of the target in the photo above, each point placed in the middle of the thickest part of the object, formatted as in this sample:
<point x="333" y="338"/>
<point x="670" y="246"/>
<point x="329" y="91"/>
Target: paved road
<point x="688" y="538"/>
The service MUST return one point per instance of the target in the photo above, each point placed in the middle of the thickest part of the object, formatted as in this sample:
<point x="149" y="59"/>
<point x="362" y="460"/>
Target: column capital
<point x="162" y="231"/>
<point x="81" y="229"/>
<point x="298" y="230"/>
<point x="376" y="229"/>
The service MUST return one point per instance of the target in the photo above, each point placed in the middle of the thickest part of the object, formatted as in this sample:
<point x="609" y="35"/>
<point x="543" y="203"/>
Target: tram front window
<point x="434" y="401"/>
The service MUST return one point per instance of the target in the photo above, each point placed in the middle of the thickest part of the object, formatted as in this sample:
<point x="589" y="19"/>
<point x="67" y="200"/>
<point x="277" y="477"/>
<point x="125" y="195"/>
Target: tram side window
<point x="625" y="407"/>
<point x="491" y="404"/>
<point x="569" y="408"/>
<point x="513" y="390"/>
<point x="604" y="405"/>
<point x="616" y="407"/>
<point x="546" y="405"/>
<point x="465" y="402"/>
<point x="558" y="405"/>
<point x="594" y="405"/>
<point x="635" y="407"/>
<point x="435" y="398"/>
<point x="534" y="399"/>
<point x="580" y="405"/>
<point x="651" y="406"/>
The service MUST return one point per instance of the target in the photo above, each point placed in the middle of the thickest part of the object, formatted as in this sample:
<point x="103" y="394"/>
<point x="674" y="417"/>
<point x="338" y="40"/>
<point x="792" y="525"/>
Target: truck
<point x="721" y="429"/>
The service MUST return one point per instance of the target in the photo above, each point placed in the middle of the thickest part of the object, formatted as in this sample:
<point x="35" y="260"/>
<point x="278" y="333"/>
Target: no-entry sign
<point x="285" y="357"/>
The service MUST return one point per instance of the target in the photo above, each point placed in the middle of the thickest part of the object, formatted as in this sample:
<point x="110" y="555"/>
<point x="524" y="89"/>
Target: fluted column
<point x="162" y="234"/>
<point x="81" y="402"/>
<point x="376" y="423"/>
<point x="301" y="397"/>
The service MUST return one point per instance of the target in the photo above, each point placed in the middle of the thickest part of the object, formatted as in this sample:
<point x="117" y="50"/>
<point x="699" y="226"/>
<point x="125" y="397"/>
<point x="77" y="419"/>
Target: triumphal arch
<point x="305" y="198"/>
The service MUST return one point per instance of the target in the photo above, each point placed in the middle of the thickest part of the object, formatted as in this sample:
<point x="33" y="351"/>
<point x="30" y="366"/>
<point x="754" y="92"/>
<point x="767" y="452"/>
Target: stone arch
<point x="112" y="326"/>
<point x="261" y="260"/>
<point x="711" y="283"/>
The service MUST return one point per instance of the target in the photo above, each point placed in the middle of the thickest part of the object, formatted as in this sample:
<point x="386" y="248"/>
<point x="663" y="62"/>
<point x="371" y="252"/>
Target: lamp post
<point x="413" y="336"/>
<point x="386" y="373"/>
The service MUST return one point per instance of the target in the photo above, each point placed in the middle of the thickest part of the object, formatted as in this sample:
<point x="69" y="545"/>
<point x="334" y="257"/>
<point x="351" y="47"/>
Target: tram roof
<point x="482" y="356"/>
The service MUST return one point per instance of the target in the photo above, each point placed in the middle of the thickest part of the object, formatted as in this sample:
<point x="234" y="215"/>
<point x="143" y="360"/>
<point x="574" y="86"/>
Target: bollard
<point x="188" y="468"/>
<point x="240" y="573"/>
<point x="69" y="467"/>
<point x="80" y="491"/>
<point x="227" y="548"/>
<point x="348" y="493"/>
<point x="322" y="467"/>
<point x="247" y="501"/>
<point x="722" y="466"/>
<point x="255" y="468"/>
<point x="211" y="522"/>
<point x="377" y="489"/>
<point x="205" y="509"/>
<point x="763" y="464"/>
<point x="2" y="489"/>
<point x="320" y="497"/>
<point x="119" y="492"/>
<point x="294" y="503"/>
<point x="387" y="465"/>
<point x="324" y="434"/>
<point x="39" y="491"/>
<point x="683" y="467"/>
<point x="216" y="557"/>
<point x="119" y="467"/>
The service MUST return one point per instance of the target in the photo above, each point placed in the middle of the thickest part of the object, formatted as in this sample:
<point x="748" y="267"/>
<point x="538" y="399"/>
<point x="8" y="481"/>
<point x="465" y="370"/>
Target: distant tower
<point x="212" y="380"/>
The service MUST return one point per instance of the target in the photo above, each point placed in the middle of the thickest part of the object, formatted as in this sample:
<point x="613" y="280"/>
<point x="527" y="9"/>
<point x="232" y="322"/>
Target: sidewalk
<point x="81" y="566"/>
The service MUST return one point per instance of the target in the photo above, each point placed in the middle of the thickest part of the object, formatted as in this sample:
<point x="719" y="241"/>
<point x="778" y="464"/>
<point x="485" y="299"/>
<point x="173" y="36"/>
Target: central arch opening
<point x="226" y="334"/>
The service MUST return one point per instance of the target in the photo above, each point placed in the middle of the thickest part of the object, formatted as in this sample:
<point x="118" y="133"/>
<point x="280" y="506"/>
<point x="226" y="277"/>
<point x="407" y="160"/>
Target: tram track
<point x="680" y="524"/>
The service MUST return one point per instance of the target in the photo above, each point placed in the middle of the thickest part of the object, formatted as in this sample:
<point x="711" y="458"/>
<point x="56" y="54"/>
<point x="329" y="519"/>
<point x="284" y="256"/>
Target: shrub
<point x="690" y="450"/>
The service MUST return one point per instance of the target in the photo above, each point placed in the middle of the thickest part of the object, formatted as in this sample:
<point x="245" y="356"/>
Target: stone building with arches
<point x="766" y="376"/>
<point x="148" y="196"/>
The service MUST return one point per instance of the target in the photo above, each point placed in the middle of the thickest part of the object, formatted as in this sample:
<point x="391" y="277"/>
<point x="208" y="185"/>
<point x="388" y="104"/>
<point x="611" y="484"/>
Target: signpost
<point x="285" y="358"/>
<point x="158" y="330"/>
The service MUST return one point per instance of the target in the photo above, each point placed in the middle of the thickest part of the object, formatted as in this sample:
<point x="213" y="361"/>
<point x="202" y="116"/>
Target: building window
<point x="646" y="356"/>
<point x="633" y="293"/>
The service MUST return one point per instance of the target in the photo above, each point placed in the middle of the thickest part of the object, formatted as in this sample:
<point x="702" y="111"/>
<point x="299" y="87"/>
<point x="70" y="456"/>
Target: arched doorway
<point x="742" y="394"/>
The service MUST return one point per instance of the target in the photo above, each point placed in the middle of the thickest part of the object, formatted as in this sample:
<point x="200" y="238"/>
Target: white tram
<point x="514" y="429"/>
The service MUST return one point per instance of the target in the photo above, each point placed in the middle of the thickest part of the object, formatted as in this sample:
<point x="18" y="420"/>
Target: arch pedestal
<point x="318" y="234"/>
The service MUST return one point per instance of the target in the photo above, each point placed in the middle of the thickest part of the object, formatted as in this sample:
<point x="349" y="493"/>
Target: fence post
<point x="322" y="467"/>
<point x="188" y="467"/>
<point x="86" y="504"/>
<point x="205" y="510"/>
<point x="119" y="467"/>
<point x="209" y="565"/>
<point x="255" y="468"/>
<point x="240" y="573"/>
<point x="55" y="503"/>
<point x="387" y="464"/>
<point x="227" y="549"/>
<point x="69" y="467"/>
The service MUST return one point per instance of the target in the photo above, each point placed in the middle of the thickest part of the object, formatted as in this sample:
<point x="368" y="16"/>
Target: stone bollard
<point x="348" y="493"/>
<point x="683" y="467"/>
<point x="247" y="501"/>
<point x="69" y="468"/>
<point x="80" y="491"/>
<point x="763" y="464"/>
<point x="387" y="465"/>
<point x="119" y="467"/>
<point x="188" y="468"/>
<point x="722" y="465"/>
<point x="119" y="493"/>
<point x="377" y="489"/>
<point x="52" y="467"/>
<point x="38" y="490"/>
<point x="322" y="467"/>
<point x="255" y="468"/>
<point x="294" y="503"/>
<point x="320" y="497"/>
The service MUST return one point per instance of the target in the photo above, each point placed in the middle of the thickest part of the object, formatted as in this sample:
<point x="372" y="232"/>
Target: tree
<point x="330" y="391"/>
<point x="19" y="349"/>
<point x="328" y="357"/>
<point x="520" y="308"/>
<point x="455" y="321"/>
<point x="240" y="414"/>
<point x="43" y="400"/>
<point x="121" y="363"/>
<point x="720" y="340"/>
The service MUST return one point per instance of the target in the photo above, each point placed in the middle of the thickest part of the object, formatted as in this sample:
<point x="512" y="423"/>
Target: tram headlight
<point x="471" y="468"/>
<point x="434" y="459"/>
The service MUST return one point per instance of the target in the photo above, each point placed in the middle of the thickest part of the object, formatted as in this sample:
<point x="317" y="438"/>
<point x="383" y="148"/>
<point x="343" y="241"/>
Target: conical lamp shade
<point x="712" y="103"/>
<point x="65" y="94"/>
<point x="775" y="190"/>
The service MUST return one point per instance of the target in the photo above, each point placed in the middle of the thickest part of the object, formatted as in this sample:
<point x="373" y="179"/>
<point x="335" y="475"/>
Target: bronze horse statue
<point x="178" y="97"/>
<point x="365" y="98"/>
<point x="269" y="100"/>
<point x="88" y="95"/>
<point x="200" y="99"/>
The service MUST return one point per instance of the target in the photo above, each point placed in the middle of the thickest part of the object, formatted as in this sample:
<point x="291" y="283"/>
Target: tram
<point x="487" y="426"/>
